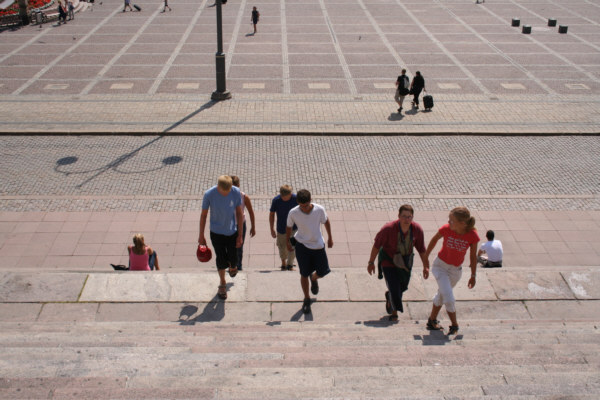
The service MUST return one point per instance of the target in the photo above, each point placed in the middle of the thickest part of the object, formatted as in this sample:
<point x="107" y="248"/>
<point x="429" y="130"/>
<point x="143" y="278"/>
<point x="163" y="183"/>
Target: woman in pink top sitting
<point x="141" y="257"/>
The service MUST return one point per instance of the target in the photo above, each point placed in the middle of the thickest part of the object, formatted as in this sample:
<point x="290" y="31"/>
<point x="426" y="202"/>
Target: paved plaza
<point x="134" y="141"/>
<point x="315" y="66"/>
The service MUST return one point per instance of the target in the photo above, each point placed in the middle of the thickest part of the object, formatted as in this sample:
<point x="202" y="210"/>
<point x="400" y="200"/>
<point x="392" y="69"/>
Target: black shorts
<point x="224" y="249"/>
<point x="310" y="261"/>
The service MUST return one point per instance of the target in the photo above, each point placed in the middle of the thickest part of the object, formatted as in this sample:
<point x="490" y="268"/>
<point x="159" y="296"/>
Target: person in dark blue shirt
<point x="281" y="206"/>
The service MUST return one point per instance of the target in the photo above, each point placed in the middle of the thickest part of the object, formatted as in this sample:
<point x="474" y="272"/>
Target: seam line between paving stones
<point x="340" y="53"/>
<point x="431" y="36"/>
<point x="175" y="53"/>
<point x="120" y="53"/>
<point x="554" y="53"/>
<point x="234" y="36"/>
<point x="500" y="53"/>
<point x="64" y="54"/>
<point x="285" y="58"/>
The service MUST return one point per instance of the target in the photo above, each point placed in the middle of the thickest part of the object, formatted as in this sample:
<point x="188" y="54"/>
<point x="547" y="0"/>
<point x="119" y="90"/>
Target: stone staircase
<point x="488" y="359"/>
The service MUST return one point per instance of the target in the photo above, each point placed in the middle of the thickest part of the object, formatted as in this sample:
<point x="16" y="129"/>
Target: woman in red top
<point x="459" y="235"/>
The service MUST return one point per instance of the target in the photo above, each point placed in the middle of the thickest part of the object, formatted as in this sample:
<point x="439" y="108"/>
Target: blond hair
<point x="225" y="182"/>
<point x="462" y="214"/>
<point x="284" y="190"/>
<point x="138" y="243"/>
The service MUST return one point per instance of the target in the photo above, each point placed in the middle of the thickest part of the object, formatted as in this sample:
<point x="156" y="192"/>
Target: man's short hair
<point x="490" y="235"/>
<point x="303" y="196"/>
<point x="225" y="182"/>
<point x="284" y="190"/>
<point x="406" y="207"/>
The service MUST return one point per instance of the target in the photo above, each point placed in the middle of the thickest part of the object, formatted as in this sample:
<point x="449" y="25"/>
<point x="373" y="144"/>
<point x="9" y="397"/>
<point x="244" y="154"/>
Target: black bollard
<point x="562" y="28"/>
<point x="551" y="21"/>
<point x="516" y="22"/>
<point x="526" y="29"/>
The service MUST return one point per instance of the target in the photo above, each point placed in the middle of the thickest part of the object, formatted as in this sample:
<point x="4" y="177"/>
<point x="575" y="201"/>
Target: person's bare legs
<point x="452" y="316"/>
<point x="435" y="310"/>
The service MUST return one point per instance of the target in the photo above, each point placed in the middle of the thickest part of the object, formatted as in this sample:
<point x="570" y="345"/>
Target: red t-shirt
<point x="455" y="246"/>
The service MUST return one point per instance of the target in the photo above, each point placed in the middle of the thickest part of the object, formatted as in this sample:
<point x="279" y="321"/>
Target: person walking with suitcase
<point x="416" y="86"/>
<point x="402" y="89"/>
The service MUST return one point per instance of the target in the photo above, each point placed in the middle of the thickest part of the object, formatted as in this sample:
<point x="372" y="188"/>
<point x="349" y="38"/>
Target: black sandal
<point x="233" y="273"/>
<point x="393" y="318"/>
<point x="452" y="330"/>
<point x="434" y="325"/>
<point x="306" y="306"/>
<point x="388" y="303"/>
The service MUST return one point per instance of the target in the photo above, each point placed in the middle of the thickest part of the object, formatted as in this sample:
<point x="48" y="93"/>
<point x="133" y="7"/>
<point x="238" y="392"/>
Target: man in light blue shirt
<point x="225" y="204"/>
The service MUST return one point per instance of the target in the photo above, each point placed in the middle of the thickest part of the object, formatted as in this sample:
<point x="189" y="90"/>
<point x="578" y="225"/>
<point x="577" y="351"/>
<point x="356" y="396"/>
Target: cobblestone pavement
<point x="170" y="173"/>
<point x="325" y="66"/>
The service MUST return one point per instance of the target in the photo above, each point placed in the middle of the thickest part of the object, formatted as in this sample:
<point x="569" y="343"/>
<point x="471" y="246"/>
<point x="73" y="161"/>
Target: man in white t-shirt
<point x="493" y="249"/>
<point x="309" y="243"/>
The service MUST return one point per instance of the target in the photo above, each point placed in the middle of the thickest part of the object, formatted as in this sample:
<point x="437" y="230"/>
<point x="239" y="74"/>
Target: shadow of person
<point x="186" y="313"/>
<point x="382" y="322"/>
<point x="412" y="111"/>
<point x="434" y="338"/>
<point x="298" y="314"/>
<point x="395" y="117"/>
<point x="213" y="311"/>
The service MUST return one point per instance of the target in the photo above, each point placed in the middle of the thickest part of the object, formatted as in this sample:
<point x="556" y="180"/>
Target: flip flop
<point x="222" y="293"/>
<point x="233" y="273"/>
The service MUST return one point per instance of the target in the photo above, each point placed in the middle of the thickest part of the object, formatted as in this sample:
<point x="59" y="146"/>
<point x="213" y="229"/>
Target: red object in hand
<point x="203" y="253"/>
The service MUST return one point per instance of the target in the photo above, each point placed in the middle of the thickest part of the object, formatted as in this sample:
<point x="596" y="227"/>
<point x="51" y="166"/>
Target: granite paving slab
<point x="523" y="285"/>
<point x="40" y="287"/>
<point x="144" y="287"/>
<point x="582" y="283"/>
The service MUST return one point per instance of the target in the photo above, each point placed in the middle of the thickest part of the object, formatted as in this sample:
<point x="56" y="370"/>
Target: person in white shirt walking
<point x="309" y="243"/>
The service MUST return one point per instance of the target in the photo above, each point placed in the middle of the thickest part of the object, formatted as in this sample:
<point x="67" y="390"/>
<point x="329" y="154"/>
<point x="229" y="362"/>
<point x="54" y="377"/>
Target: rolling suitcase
<point x="137" y="7"/>
<point x="428" y="101"/>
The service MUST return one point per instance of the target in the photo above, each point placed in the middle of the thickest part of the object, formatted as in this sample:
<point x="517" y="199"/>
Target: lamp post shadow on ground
<point x="221" y="93"/>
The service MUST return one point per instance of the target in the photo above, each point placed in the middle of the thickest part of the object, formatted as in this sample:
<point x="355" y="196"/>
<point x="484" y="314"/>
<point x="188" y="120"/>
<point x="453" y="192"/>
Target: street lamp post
<point x="221" y="93"/>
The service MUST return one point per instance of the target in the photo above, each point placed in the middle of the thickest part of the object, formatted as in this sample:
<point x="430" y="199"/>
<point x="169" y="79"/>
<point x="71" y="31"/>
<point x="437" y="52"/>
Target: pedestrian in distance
<point x="416" y="86"/>
<point x="127" y="4"/>
<point x="255" y="17"/>
<point x="280" y="208"/>
<point x="62" y="13"/>
<point x="226" y="227"/>
<point x="166" y="6"/>
<point x="490" y="253"/>
<point x="142" y="257"/>
<point x="402" y="89"/>
<point x="309" y="243"/>
<point x="246" y="204"/>
<point x="459" y="236"/>
<point x="394" y="246"/>
<point x="70" y="10"/>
